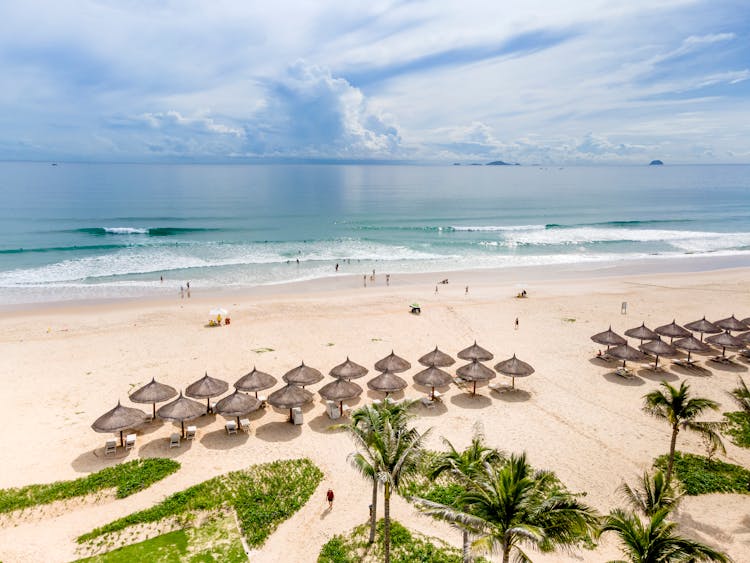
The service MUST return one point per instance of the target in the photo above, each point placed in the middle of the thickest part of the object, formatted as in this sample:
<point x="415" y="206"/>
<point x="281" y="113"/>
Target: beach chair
<point x="495" y="386"/>
<point x="377" y="402"/>
<point x="190" y="433"/>
<point x="688" y="364"/>
<point x="437" y="396"/>
<point x="174" y="440"/>
<point x="263" y="401"/>
<point x="245" y="424"/>
<point x="346" y="410"/>
<point x="231" y="427"/>
<point x="297" y="416"/>
<point x="212" y="407"/>
<point x="426" y="402"/>
<point x="129" y="442"/>
<point x="625" y="372"/>
<point x="110" y="447"/>
<point x="726" y="360"/>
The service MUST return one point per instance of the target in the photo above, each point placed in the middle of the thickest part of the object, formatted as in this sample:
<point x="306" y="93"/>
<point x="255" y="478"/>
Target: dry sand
<point x="61" y="367"/>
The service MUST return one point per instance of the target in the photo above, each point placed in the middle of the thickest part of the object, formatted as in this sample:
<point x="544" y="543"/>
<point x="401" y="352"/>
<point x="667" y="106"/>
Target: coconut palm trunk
<point x="672" y="447"/>
<point x="506" y="551"/>
<point x="387" y="521"/>
<point x="374" y="510"/>
<point x="466" y="548"/>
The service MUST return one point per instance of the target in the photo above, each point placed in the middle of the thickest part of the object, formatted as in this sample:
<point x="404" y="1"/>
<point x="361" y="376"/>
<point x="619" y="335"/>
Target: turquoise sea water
<point x="108" y="230"/>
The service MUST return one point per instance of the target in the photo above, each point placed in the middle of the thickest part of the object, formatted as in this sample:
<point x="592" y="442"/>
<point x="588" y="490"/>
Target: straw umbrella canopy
<point x="348" y="370"/>
<point x="691" y="344"/>
<point x="658" y="348"/>
<point x="236" y="405"/>
<point x="725" y="340"/>
<point x="732" y="324"/>
<point x="475" y="352"/>
<point x="609" y="338"/>
<point x="745" y="337"/>
<point x="642" y="333"/>
<point x="703" y="326"/>
<point x="626" y="352"/>
<point x="153" y="392"/>
<point x="255" y="381"/>
<point x="340" y="390"/>
<point x="289" y="397"/>
<point x="180" y="410"/>
<point x="118" y="419"/>
<point x="475" y="371"/>
<point x="514" y="367"/>
<point x="205" y="388"/>
<point x="302" y="375"/>
<point x="746" y="321"/>
<point x="436" y="358"/>
<point x="387" y="382"/>
<point x="433" y="377"/>
<point x="673" y="330"/>
<point x="392" y="363"/>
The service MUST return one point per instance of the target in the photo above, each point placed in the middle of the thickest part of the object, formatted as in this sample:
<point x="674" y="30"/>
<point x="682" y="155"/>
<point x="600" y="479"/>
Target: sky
<point x="534" y="82"/>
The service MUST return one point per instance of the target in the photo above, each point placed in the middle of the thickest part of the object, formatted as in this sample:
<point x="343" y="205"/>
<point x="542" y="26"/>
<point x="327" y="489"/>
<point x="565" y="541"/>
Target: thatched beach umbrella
<point x="436" y="358"/>
<point x="289" y="397"/>
<point x="725" y="340"/>
<point x="673" y="330"/>
<point x="641" y="333"/>
<point x="745" y="337"/>
<point x="180" y="410"/>
<point x="732" y="324"/>
<point x="475" y="371"/>
<point x="475" y="352"/>
<point x="387" y="382"/>
<point x="153" y="392"/>
<point x="205" y="388"/>
<point x="119" y="419"/>
<point x="691" y="344"/>
<point x="302" y="375"/>
<point x="658" y="348"/>
<point x="255" y="381"/>
<point x="392" y="363"/>
<point x="433" y="377"/>
<point x="340" y="390"/>
<point x="703" y="326"/>
<point x="513" y="368"/>
<point x="626" y="352"/>
<point x="236" y="405"/>
<point x="609" y="338"/>
<point x="348" y="370"/>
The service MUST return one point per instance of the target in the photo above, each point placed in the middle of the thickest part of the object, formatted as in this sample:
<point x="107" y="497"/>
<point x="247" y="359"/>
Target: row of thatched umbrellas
<point x="617" y="346"/>
<point x="294" y="394"/>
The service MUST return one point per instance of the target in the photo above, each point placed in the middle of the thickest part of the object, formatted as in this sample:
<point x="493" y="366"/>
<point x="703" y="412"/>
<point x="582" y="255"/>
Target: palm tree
<point x="676" y="407"/>
<point x="741" y="395"/>
<point x="653" y="495"/>
<point x="463" y="467"/>
<point x="510" y="504"/>
<point x="365" y="422"/>
<point x="656" y="540"/>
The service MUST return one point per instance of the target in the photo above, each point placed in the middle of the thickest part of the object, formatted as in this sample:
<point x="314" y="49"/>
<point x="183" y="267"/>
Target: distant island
<point x="656" y="163"/>
<point x="502" y="163"/>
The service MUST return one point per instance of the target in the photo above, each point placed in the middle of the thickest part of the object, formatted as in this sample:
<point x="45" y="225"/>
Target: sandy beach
<point x="62" y="366"/>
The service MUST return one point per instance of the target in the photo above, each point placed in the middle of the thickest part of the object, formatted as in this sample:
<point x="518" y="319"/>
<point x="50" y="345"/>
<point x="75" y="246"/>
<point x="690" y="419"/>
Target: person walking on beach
<point x="337" y="266"/>
<point x="388" y="279"/>
<point x="467" y="290"/>
<point x="329" y="498"/>
<point x="436" y="290"/>
<point x="364" y="280"/>
<point x="182" y="293"/>
<point x="516" y="323"/>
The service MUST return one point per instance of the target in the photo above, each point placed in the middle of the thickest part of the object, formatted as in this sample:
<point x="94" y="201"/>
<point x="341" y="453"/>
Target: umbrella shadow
<point x="620" y="380"/>
<point x="436" y="408"/>
<point x="220" y="440"/>
<point x="150" y="427"/>
<point x="322" y="423"/>
<point x="202" y="421"/>
<point x="695" y="370"/>
<point x="159" y="447"/>
<point x="601" y="362"/>
<point x="94" y="460"/>
<point x="469" y="401"/>
<point x="734" y="367"/>
<point x="278" y="431"/>
<point x="657" y="375"/>
<point x="396" y="395"/>
<point x="511" y="395"/>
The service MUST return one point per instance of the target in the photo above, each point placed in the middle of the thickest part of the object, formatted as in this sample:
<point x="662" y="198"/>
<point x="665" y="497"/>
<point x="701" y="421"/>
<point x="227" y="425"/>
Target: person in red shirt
<point x="329" y="498"/>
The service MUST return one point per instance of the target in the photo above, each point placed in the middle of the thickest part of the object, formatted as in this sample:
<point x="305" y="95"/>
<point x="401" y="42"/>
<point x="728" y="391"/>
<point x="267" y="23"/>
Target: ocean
<point x="79" y="231"/>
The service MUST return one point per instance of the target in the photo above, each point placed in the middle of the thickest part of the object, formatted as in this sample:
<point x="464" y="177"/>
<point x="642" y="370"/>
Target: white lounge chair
<point x="377" y="402"/>
<point x="174" y="440"/>
<point x="347" y="410"/>
<point x="245" y="424"/>
<point x="427" y="402"/>
<point x="263" y="401"/>
<point x="231" y="427"/>
<point x="190" y="432"/>
<point x="110" y="447"/>
<point x="297" y="415"/>
<point x="212" y="407"/>
<point x="129" y="442"/>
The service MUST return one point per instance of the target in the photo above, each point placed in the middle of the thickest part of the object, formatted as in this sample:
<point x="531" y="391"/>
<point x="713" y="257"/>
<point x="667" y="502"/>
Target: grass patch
<point x="699" y="475"/>
<point x="126" y="478"/>
<point x="406" y="547"/>
<point x="738" y="428"/>
<point x="262" y="350"/>
<point x="216" y="540"/>
<point x="262" y="495"/>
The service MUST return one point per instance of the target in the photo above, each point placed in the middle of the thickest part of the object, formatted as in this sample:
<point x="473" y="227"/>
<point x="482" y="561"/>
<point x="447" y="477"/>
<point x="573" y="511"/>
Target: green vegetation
<point x="699" y="475"/>
<point x="262" y="495"/>
<point x="738" y="428"/>
<point x="215" y="540"/>
<point x="126" y="478"/>
<point x="262" y="350"/>
<point x="406" y="547"/>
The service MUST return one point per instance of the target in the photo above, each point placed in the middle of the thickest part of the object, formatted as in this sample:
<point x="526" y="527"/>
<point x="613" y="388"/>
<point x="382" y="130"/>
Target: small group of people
<point x="183" y="292"/>
<point x="372" y="278"/>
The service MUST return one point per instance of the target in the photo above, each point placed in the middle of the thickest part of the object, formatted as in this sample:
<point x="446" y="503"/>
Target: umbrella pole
<point x="238" y="422"/>
<point x="182" y="425"/>
<point x="291" y="418"/>
<point x="154" y="415"/>
<point x="121" y="442"/>
<point x="432" y="394"/>
<point x="688" y="356"/>
<point x="208" y="405"/>
<point x="341" y="407"/>
<point x="474" y="392"/>
<point x="656" y="362"/>
<point x="513" y="382"/>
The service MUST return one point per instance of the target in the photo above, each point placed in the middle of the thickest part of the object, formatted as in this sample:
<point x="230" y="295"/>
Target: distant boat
<point x="54" y="164"/>
<point x="656" y="163"/>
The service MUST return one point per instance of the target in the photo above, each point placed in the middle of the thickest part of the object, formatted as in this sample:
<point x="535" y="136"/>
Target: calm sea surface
<point x="108" y="230"/>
